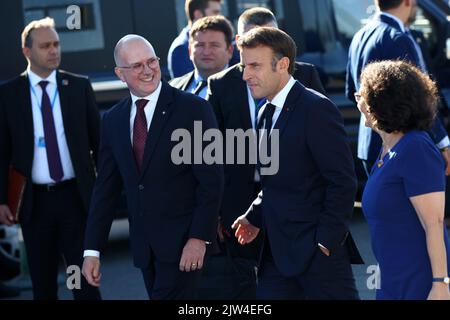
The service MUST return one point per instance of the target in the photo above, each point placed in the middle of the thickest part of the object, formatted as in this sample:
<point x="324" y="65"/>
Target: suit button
<point x="141" y="187"/>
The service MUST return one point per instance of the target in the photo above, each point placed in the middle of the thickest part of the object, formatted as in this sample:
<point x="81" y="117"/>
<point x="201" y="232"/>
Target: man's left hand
<point x="193" y="255"/>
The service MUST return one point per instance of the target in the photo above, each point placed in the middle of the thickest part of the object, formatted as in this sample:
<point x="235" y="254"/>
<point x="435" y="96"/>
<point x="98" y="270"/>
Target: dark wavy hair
<point x="213" y="23"/>
<point x="279" y="41"/>
<point x="399" y="96"/>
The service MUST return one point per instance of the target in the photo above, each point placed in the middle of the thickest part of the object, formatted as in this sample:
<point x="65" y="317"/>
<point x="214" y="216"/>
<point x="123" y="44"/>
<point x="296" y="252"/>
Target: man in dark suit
<point x="303" y="207"/>
<point x="173" y="208"/>
<point x="210" y="49"/>
<point x="235" y="109"/>
<point x="386" y="38"/>
<point x="49" y="131"/>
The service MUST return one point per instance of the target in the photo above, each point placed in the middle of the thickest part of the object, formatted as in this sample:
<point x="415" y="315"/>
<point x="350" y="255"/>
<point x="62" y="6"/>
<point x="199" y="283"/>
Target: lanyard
<point x="40" y="103"/>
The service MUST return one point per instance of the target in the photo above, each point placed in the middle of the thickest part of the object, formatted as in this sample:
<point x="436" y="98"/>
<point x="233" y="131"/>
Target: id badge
<point x="41" y="142"/>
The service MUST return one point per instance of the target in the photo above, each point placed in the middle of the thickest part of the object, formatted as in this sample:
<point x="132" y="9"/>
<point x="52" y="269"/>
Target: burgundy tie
<point x="139" y="132"/>
<point x="51" y="142"/>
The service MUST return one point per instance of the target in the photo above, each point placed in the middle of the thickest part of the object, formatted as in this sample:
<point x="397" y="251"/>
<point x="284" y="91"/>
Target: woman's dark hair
<point x="399" y="96"/>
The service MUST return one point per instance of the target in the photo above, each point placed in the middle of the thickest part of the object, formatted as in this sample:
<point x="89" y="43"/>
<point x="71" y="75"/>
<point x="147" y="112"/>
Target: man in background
<point x="49" y="132"/>
<point x="178" y="57"/>
<point x="386" y="38"/>
<point x="210" y="49"/>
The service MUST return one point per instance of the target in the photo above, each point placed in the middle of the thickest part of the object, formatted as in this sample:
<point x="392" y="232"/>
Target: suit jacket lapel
<point x="160" y="117"/>
<point x="289" y="105"/>
<point x="242" y="100"/>
<point x="124" y="130"/>
<point x="26" y="112"/>
<point x="188" y="80"/>
<point x="63" y="91"/>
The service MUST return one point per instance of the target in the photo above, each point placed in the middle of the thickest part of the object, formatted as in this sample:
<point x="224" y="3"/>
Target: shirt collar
<point x="35" y="79"/>
<point x="280" y="98"/>
<point x="151" y="97"/>
<point x="198" y="77"/>
<point x="399" y="22"/>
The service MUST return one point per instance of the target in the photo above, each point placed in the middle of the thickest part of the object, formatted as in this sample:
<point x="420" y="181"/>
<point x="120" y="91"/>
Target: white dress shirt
<point x="40" y="172"/>
<point x="278" y="101"/>
<point x="149" y="110"/>
<point x="252" y="106"/>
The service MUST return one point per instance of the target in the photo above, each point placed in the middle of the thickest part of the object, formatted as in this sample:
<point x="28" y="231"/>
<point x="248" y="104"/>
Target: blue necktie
<point x="200" y="85"/>
<point x="51" y="142"/>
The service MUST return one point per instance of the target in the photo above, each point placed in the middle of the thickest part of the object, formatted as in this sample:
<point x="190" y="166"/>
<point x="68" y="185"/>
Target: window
<point x="243" y="5"/>
<point x="181" y="13"/>
<point x="90" y="34"/>
<point x="310" y="17"/>
<point x="426" y="27"/>
<point x="351" y="15"/>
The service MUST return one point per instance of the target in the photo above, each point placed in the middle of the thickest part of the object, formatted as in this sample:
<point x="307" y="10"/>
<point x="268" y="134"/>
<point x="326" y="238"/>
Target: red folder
<point x="16" y="188"/>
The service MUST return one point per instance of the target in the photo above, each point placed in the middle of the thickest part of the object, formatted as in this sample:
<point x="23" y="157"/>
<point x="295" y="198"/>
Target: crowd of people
<point x="289" y="228"/>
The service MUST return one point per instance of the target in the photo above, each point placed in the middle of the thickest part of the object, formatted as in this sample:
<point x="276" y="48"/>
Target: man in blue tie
<point x="386" y="38"/>
<point x="49" y="132"/>
<point x="210" y="49"/>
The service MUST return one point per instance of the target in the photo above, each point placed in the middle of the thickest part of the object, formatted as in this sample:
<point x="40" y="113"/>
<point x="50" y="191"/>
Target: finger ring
<point x="193" y="264"/>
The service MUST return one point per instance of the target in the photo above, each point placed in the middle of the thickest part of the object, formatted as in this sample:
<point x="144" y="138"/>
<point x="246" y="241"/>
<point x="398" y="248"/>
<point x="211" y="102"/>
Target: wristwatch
<point x="445" y="280"/>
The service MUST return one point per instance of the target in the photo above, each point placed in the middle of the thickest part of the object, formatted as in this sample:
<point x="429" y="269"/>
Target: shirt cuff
<point x="91" y="253"/>
<point x="443" y="143"/>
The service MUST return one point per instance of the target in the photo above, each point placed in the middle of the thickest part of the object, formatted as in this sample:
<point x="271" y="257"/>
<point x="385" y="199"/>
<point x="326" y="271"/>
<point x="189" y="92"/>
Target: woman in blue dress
<point x="403" y="200"/>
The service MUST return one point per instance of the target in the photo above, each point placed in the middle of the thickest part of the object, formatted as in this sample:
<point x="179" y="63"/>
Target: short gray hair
<point x="27" y="41"/>
<point x="257" y="16"/>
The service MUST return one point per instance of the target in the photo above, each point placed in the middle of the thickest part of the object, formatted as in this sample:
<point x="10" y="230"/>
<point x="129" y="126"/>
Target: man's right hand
<point x="91" y="271"/>
<point x="245" y="231"/>
<point x="6" y="216"/>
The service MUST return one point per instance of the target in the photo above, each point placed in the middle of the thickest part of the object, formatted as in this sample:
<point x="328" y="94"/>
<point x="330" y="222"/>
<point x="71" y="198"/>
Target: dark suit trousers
<point x="327" y="278"/>
<point x="56" y="227"/>
<point x="165" y="281"/>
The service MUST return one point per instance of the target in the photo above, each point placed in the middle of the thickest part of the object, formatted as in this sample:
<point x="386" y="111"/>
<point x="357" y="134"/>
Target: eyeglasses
<point x="139" y="67"/>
